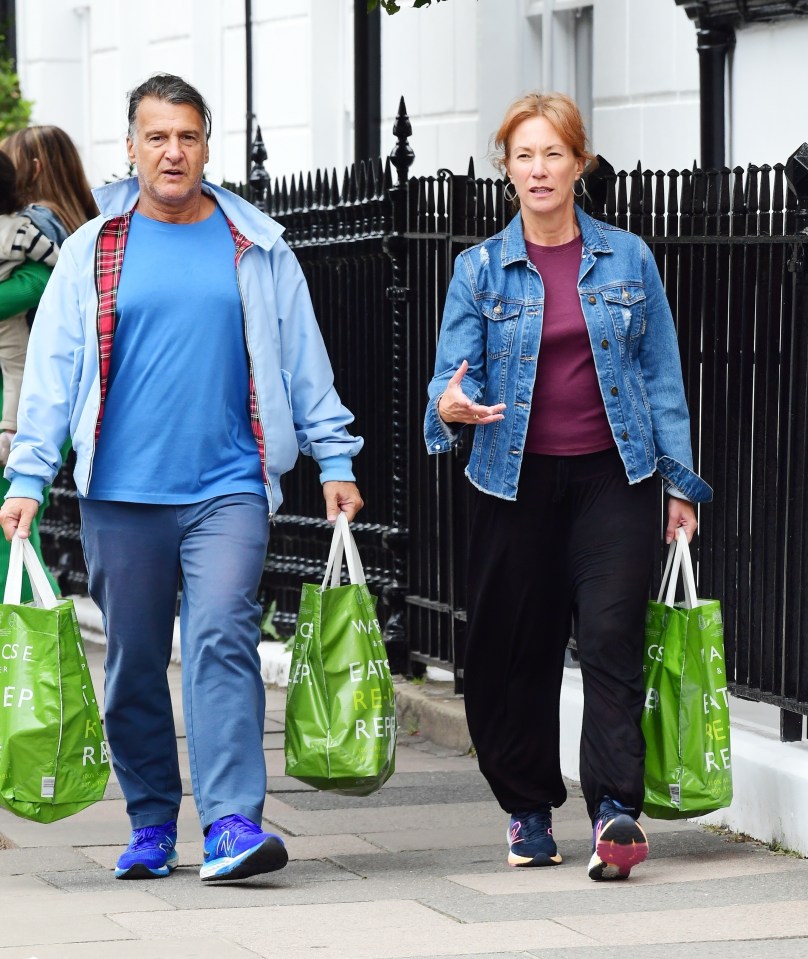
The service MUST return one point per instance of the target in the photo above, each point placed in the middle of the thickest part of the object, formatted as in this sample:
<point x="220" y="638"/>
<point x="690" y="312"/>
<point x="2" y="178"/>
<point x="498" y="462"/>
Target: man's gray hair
<point x="170" y="89"/>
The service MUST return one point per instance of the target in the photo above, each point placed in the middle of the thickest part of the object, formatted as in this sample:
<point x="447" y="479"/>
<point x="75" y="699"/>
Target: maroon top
<point x="567" y="416"/>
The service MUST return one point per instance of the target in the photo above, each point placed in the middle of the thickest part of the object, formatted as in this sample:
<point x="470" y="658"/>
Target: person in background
<point x="177" y="344"/>
<point x="21" y="293"/>
<point x="54" y="194"/>
<point x="51" y="182"/>
<point x="558" y="352"/>
<point x="19" y="240"/>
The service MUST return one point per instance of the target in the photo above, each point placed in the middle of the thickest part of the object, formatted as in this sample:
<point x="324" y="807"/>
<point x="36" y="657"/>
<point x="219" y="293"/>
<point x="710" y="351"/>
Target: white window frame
<point x="565" y="27"/>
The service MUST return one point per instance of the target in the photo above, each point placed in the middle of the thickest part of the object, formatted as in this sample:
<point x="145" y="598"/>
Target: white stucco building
<point x="632" y="64"/>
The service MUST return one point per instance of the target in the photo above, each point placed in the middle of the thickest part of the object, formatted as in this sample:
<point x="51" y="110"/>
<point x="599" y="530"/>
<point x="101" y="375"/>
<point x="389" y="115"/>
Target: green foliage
<point x="14" y="111"/>
<point x="391" y="6"/>
<point x="268" y="628"/>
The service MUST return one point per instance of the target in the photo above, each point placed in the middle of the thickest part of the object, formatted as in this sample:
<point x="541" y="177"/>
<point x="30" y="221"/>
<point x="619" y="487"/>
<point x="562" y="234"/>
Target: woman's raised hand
<point x="455" y="407"/>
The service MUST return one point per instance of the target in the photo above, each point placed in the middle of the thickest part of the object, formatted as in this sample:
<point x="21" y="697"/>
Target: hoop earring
<point x="578" y="196"/>
<point x="509" y="186"/>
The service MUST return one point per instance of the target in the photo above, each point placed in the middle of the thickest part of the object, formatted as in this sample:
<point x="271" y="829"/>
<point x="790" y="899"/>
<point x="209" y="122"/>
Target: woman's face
<point x="543" y="168"/>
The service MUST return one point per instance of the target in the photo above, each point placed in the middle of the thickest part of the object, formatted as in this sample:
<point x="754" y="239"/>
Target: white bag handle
<point x="342" y="543"/>
<point x="679" y="559"/>
<point x="24" y="554"/>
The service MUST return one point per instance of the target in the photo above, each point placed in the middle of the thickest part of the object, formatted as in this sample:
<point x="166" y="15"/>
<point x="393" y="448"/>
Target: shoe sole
<point x="621" y="845"/>
<point x="141" y="871"/>
<point x="541" y="860"/>
<point x="269" y="856"/>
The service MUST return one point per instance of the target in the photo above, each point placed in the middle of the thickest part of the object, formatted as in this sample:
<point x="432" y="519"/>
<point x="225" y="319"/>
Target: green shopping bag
<point x="688" y="769"/>
<point x="53" y="758"/>
<point x="340" y="702"/>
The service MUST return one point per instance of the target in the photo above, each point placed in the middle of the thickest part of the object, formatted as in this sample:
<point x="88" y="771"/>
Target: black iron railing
<point x="377" y="248"/>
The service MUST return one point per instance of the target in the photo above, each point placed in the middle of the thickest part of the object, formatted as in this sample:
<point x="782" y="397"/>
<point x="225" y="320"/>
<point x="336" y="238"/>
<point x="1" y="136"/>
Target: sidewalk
<point x="417" y="870"/>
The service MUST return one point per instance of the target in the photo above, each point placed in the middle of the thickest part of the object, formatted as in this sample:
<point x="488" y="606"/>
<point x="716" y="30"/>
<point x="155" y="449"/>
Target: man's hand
<point x="16" y="516"/>
<point x="339" y="498"/>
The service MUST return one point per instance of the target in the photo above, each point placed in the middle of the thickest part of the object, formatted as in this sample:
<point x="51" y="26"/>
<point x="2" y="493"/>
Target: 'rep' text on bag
<point x="54" y="761"/>
<point x="340" y="707"/>
<point x="686" y="723"/>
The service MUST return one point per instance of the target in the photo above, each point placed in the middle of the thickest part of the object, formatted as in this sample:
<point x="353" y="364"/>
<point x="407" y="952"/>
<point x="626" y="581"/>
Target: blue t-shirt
<point x="176" y="425"/>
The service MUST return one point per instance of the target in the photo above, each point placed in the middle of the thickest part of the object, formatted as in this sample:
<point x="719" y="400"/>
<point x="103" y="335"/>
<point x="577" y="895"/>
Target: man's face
<point x="170" y="152"/>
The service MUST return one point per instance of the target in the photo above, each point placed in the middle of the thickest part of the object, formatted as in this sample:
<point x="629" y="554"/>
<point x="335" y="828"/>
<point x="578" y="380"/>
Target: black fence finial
<point x="259" y="178"/>
<point x="402" y="153"/>
<point x="797" y="174"/>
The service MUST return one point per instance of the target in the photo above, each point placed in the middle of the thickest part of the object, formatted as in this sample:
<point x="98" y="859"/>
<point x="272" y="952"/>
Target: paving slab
<point x="61" y="918"/>
<point x="599" y="900"/>
<point x="183" y="888"/>
<point x="374" y="820"/>
<point x="653" y="872"/>
<point x="401" y="840"/>
<point x="135" y="949"/>
<point x="104" y="823"/>
<point x="32" y="931"/>
<point x="20" y="887"/>
<point x="114" y="897"/>
<point x="756" y="949"/>
<point x="368" y="930"/>
<point x="273" y="738"/>
<point x="16" y="862"/>
<point x="304" y="884"/>
<point x="778" y="920"/>
<point x="735" y="949"/>
<point x="418" y="755"/>
<point x="478" y="955"/>
<point x="408" y="789"/>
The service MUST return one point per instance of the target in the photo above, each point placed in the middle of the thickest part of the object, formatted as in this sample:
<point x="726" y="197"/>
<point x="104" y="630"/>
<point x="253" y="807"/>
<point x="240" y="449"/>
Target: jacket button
<point x="625" y="435"/>
<point x="614" y="391"/>
<point x="593" y="299"/>
<point x="498" y="308"/>
<point x="605" y="344"/>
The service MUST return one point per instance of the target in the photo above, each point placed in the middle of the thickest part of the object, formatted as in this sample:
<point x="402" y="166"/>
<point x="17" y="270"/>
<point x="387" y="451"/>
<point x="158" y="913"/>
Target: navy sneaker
<point x="150" y="854"/>
<point x="236" y="848"/>
<point x="530" y="838"/>
<point x="618" y="842"/>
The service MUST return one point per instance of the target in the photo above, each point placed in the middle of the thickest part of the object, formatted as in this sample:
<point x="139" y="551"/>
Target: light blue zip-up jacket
<point x="493" y="318"/>
<point x="298" y="406"/>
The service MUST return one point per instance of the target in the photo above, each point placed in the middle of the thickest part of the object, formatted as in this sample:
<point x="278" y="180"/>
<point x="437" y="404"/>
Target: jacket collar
<point x="119" y="197"/>
<point x="513" y="237"/>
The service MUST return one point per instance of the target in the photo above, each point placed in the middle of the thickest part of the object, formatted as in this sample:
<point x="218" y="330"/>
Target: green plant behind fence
<point x="15" y="112"/>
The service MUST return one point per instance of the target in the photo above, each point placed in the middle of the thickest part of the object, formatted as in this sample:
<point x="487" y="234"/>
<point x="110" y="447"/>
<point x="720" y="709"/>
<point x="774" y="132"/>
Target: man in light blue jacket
<point x="217" y="379"/>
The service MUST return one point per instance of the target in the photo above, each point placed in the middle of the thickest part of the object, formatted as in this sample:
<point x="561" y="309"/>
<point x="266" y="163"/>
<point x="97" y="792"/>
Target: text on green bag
<point x="12" y="651"/>
<point x="14" y="698"/>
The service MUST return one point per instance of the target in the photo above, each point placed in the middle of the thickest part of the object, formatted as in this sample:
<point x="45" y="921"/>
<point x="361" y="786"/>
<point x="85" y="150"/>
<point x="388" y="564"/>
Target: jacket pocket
<point x="500" y="326"/>
<point x="626" y="306"/>
<point x="286" y="377"/>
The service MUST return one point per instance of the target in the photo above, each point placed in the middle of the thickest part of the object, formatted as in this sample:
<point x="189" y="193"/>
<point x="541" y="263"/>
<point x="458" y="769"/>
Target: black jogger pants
<point x="578" y="541"/>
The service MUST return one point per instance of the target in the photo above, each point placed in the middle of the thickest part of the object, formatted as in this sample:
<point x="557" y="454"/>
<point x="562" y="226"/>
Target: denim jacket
<point x="493" y="318"/>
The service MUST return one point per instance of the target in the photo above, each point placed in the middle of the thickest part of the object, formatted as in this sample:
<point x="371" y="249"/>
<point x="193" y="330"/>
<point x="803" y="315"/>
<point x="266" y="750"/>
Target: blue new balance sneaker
<point x="150" y="854"/>
<point x="530" y="838"/>
<point x="236" y="848"/>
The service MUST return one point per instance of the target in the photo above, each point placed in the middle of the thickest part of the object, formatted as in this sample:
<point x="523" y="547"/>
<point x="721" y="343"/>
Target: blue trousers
<point x="137" y="554"/>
